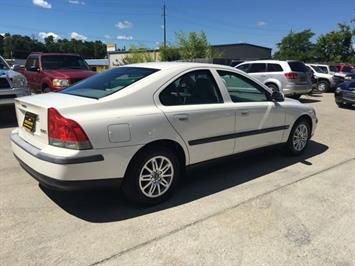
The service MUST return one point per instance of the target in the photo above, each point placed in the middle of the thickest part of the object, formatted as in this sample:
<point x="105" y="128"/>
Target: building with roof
<point x="227" y="54"/>
<point x="97" y="65"/>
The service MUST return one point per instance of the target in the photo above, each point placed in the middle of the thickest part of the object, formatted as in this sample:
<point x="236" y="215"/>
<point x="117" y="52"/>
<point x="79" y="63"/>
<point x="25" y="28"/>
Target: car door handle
<point x="182" y="117"/>
<point x="244" y="113"/>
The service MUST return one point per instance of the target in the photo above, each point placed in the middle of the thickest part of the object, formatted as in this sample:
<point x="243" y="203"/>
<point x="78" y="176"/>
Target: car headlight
<point x="60" y="82"/>
<point x="19" y="82"/>
<point x="348" y="78"/>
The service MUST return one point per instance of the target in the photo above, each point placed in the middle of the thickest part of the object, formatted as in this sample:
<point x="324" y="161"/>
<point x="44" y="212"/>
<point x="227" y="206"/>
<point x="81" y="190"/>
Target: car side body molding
<point x="237" y="135"/>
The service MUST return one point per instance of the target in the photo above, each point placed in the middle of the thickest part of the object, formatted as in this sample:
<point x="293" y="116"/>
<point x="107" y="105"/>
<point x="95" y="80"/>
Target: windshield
<point x="317" y="69"/>
<point x="334" y="68"/>
<point x="63" y="62"/>
<point x="347" y="69"/>
<point x="108" y="82"/>
<point x="3" y="65"/>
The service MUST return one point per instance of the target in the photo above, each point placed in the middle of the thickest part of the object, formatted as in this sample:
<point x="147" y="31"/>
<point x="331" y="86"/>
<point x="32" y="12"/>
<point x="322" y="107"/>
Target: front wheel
<point x="323" y="86"/>
<point x="299" y="137"/>
<point x="152" y="176"/>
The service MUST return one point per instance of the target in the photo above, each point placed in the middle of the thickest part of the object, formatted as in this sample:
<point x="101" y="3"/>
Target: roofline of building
<point x="239" y="44"/>
<point x="214" y="45"/>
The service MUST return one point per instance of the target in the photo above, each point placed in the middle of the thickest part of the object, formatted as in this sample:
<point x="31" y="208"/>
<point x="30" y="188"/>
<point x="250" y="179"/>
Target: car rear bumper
<point x="293" y="89"/>
<point x="86" y="169"/>
<point x="56" y="184"/>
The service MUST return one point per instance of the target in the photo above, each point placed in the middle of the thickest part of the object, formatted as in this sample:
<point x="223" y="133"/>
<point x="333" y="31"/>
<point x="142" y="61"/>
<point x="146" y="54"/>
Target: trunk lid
<point x="38" y="106"/>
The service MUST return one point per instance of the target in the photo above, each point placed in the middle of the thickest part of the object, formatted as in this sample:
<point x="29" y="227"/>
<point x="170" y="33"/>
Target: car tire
<point x="152" y="176"/>
<point x="299" y="137"/>
<point x="273" y="87"/>
<point x="46" y="90"/>
<point x="323" y="86"/>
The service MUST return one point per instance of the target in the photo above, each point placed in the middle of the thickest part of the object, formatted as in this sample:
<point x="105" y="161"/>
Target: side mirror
<point x="277" y="96"/>
<point x="34" y="69"/>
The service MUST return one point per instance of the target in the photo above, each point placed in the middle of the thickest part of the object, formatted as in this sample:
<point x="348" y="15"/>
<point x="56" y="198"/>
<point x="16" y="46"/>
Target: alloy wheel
<point x="300" y="137"/>
<point x="156" y="176"/>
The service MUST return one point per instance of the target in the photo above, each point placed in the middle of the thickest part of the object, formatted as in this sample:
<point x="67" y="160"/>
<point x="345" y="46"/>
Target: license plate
<point x="29" y="123"/>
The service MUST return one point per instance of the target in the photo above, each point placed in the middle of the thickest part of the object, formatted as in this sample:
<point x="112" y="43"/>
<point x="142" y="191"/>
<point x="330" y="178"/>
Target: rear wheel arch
<point x="166" y="143"/>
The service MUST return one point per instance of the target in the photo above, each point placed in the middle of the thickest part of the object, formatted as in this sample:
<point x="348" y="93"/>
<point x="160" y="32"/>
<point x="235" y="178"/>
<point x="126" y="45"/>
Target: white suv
<point x="290" y="77"/>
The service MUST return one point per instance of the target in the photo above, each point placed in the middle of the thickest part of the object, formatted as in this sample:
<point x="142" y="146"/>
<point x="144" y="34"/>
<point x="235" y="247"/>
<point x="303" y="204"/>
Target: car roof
<point x="41" y="53"/>
<point x="177" y="65"/>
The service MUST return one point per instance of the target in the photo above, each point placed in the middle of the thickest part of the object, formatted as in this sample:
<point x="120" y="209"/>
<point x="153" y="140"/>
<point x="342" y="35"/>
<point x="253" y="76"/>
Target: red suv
<point x="54" y="71"/>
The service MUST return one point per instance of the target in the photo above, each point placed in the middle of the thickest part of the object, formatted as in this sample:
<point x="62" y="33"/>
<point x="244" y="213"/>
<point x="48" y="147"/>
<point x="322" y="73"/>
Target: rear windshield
<point x="3" y="65"/>
<point x="108" y="82"/>
<point x="63" y="62"/>
<point x="298" y="66"/>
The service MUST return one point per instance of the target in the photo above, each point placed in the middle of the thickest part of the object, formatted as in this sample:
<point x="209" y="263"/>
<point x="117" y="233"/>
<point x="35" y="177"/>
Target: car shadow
<point x="308" y="100"/>
<point x="8" y="116"/>
<point x="101" y="206"/>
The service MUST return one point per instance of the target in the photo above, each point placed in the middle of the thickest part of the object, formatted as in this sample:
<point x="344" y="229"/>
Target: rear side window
<point x="108" y="82"/>
<point x="244" y="67"/>
<point x="196" y="87"/>
<point x="257" y="68"/>
<point x="274" y="68"/>
<point x="297" y="66"/>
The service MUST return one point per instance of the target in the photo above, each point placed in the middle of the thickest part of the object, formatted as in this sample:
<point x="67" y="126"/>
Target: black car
<point x="345" y="94"/>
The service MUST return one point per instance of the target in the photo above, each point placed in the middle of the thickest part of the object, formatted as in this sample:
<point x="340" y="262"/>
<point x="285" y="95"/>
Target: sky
<point x="139" y="22"/>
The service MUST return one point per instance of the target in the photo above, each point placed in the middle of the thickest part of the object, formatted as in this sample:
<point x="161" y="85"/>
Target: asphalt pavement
<point x="257" y="208"/>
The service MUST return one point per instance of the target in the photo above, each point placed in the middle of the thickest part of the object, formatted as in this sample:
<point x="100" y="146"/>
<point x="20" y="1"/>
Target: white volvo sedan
<point x="143" y="124"/>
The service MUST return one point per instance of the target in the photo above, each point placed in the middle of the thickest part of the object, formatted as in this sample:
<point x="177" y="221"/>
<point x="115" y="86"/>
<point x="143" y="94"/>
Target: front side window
<point x="323" y="69"/>
<point x="63" y="62"/>
<point x="108" y="82"/>
<point x="196" y="87"/>
<point x="242" y="89"/>
<point x="257" y="68"/>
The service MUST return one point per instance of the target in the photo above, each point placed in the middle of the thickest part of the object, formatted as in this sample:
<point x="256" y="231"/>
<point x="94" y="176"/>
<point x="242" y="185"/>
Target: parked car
<point x="47" y="72"/>
<point x="345" y="94"/>
<point x="290" y="77"/>
<point x="325" y="81"/>
<point x="143" y="124"/>
<point x="340" y="68"/>
<point x="12" y="84"/>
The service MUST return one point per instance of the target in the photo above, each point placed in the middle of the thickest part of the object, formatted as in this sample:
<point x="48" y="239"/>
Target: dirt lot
<point x="256" y="208"/>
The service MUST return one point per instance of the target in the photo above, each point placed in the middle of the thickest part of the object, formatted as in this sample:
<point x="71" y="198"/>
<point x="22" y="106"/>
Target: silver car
<point x="12" y="84"/>
<point x="290" y="77"/>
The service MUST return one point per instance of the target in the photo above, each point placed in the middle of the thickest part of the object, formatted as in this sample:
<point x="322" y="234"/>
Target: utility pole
<point x="164" y="17"/>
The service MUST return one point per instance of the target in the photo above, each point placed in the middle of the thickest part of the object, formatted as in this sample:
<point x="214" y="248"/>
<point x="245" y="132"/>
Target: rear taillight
<point x="291" y="75"/>
<point x="66" y="133"/>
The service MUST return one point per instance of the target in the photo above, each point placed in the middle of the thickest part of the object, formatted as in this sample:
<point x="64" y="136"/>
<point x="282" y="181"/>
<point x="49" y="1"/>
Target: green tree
<point x="296" y="45"/>
<point x="169" y="53"/>
<point x="193" y="46"/>
<point x="336" y="46"/>
<point x="138" y="55"/>
<point x="1" y="45"/>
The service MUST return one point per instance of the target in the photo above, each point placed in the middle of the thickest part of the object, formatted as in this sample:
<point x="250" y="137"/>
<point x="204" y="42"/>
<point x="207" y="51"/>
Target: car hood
<point x="10" y="74"/>
<point x="69" y="73"/>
